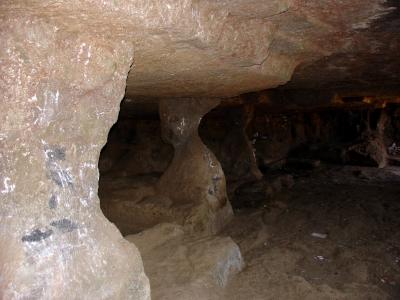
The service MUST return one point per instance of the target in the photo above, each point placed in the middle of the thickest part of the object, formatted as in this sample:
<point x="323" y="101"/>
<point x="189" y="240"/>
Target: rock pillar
<point x="194" y="181"/>
<point x="244" y="163"/>
<point x="60" y="89"/>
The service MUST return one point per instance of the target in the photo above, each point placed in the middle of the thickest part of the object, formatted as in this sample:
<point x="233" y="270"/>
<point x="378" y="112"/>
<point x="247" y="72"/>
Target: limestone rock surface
<point x="186" y="48"/>
<point x="371" y="151"/>
<point x="225" y="48"/>
<point x="182" y="266"/>
<point x="194" y="181"/>
<point x="191" y="191"/>
<point x="61" y="82"/>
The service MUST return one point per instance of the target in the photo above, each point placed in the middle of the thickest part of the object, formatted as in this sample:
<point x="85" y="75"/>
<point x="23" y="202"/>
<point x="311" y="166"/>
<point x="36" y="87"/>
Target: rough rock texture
<point x="133" y="205"/>
<point x="60" y="88"/>
<point x="371" y="150"/>
<point x="225" y="132"/>
<point x="191" y="191"/>
<point x="185" y="267"/>
<point x="194" y="180"/>
<point x="224" y="48"/>
<point x="366" y="59"/>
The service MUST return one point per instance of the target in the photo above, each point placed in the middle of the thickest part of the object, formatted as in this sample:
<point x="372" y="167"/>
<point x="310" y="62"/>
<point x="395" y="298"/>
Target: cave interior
<point x="200" y="149"/>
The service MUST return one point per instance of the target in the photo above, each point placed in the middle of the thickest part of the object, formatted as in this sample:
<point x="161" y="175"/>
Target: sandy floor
<point x="358" y="209"/>
<point x="355" y="214"/>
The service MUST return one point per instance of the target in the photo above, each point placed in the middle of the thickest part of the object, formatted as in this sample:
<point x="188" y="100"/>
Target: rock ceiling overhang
<point x="226" y="48"/>
<point x="229" y="47"/>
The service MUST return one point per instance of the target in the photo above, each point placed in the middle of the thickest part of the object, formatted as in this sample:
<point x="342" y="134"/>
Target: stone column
<point x="370" y="149"/>
<point x="194" y="181"/>
<point x="60" y="90"/>
<point x="237" y="152"/>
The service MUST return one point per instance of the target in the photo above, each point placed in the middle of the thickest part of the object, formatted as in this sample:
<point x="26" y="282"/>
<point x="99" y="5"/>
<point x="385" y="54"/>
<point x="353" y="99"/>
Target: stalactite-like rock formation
<point x="60" y="89"/>
<point x="194" y="180"/>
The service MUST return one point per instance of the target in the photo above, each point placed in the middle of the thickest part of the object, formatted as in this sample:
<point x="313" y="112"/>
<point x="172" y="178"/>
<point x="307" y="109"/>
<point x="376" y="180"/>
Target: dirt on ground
<point x="334" y="235"/>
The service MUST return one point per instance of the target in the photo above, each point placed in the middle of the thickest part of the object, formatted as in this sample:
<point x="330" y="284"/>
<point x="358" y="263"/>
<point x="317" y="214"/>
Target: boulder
<point x="182" y="266"/>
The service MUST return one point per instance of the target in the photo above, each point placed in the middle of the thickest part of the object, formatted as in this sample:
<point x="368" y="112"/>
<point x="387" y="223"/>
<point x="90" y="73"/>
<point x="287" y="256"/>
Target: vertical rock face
<point x="194" y="179"/>
<point x="60" y="89"/>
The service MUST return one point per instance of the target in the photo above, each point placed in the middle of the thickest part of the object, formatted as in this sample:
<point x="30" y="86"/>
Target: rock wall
<point x="60" y="89"/>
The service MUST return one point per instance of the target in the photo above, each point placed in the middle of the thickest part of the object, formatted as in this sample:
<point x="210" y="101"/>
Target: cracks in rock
<point x="264" y="59"/>
<point x="279" y="13"/>
<point x="286" y="10"/>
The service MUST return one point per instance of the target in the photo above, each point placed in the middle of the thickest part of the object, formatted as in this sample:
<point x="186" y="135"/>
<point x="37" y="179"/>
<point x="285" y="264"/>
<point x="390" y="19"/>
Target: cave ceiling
<point x="224" y="48"/>
<point x="229" y="47"/>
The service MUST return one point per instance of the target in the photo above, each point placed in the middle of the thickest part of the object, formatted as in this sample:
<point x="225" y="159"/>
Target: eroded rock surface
<point x="190" y="192"/>
<point x="224" y="48"/>
<point x="371" y="150"/>
<point x="184" y="267"/>
<point x="198" y="48"/>
<point x="60" y="89"/>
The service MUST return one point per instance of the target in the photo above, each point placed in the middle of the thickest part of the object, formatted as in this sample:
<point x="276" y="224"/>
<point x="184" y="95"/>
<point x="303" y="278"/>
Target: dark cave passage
<point x="318" y="186"/>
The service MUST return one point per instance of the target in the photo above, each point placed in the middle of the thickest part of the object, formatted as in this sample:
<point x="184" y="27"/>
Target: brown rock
<point x="194" y="180"/>
<point x="60" y="88"/>
<point x="196" y="268"/>
<point x="369" y="152"/>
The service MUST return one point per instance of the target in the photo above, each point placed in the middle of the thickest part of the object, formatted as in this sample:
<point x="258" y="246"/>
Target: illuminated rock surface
<point x="196" y="268"/>
<point x="191" y="191"/>
<point x="194" y="180"/>
<point x="63" y="70"/>
<point x="60" y="91"/>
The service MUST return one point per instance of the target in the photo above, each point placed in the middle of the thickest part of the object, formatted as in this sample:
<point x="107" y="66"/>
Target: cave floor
<point x="353" y="213"/>
<point x="358" y="210"/>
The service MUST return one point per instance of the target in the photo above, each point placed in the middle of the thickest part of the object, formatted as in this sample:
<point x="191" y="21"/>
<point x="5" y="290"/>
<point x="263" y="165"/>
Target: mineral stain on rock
<point x="65" y="225"/>
<point x="37" y="235"/>
<point x="61" y="178"/>
<point x="53" y="203"/>
<point x="56" y="153"/>
<point x="58" y="175"/>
